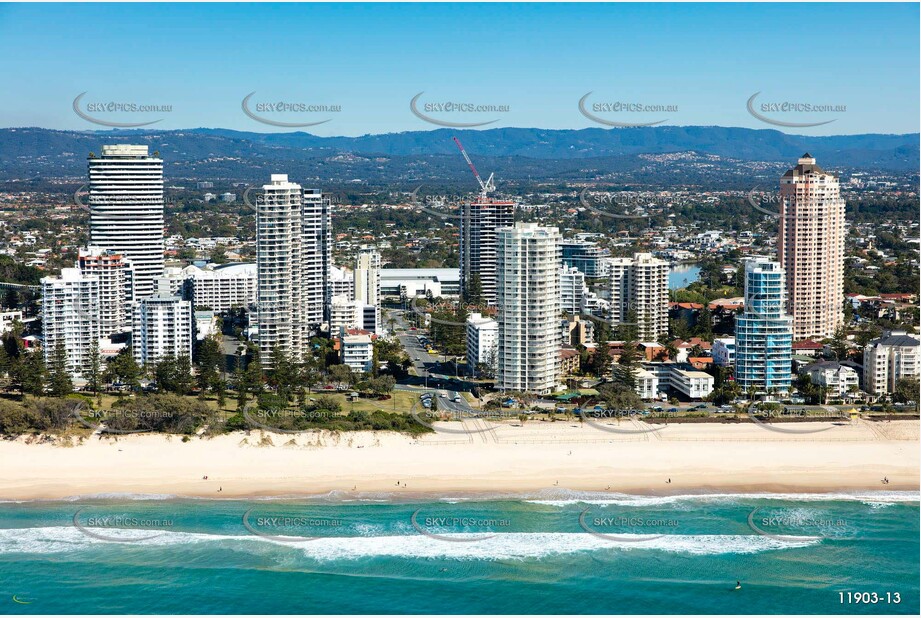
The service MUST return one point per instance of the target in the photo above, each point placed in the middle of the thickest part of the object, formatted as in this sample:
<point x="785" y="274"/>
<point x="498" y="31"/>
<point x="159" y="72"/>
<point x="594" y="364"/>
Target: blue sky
<point x="538" y="59"/>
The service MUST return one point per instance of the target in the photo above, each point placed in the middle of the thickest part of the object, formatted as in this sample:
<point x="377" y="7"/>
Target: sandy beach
<point x="704" y="458"/>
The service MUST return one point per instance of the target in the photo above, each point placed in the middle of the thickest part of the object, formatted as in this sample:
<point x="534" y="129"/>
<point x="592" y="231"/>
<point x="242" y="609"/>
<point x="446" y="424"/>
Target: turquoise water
<point x="550" y="552"/>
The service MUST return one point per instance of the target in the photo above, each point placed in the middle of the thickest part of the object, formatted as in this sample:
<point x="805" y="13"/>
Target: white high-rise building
<point x="293" y="263"/>
<point x="572" y="288"/>
<point x="810" y="246"/>
<point x="116" y="287"/>
<point x="482" y="333"/>
<point x="890" y="358"/>
<point x="368" y="276"/>
<point x="71" y="315"/>
<point x="280" y="269"/>
<point x="126" y="209"/>
<point x="528" y="299"/>
<point x="317" y="252"/>
<point x="163" y="326"/>
<point x="640" y="285"/>
<point x="368" y="286"/>
<point x="480" y="221"/>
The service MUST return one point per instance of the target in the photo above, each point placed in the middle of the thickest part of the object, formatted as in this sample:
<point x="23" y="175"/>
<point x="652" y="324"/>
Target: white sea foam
<point x="567" y="498"/>
<point x="120" y="496"/>
<point x="511" y="546"/>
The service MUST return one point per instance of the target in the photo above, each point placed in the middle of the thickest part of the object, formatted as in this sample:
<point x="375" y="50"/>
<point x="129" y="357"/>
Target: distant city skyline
<point x="530" y="65"/>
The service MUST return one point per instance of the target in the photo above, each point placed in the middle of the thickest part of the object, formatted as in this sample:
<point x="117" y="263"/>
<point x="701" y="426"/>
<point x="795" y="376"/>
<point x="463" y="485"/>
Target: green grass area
<point x="400" y="401"/>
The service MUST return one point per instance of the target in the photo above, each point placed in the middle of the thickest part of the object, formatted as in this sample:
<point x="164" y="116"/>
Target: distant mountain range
<point x="516" y="153"/>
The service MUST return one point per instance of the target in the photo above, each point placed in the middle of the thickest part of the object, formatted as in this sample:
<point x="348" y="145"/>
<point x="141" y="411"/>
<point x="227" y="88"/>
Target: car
<point x="456" y="399"/>
<point x="442" y="395"/>
<point x="672" y="410"/>
<point x="412" y="328"/>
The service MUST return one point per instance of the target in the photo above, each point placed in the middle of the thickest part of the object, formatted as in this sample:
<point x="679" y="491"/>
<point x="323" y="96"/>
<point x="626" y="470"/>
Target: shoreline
<point x="893" y="495"/>
<point x="513" y="461"/>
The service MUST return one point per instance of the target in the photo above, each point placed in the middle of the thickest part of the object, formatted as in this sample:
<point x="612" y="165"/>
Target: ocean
<point x="554" y="551"/>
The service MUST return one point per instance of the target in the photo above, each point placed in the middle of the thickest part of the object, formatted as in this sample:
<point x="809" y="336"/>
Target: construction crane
<point x="485" y="187"/>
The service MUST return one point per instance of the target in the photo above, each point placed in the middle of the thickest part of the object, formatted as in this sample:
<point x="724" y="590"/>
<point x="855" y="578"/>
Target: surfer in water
<point x="738" y="584"/>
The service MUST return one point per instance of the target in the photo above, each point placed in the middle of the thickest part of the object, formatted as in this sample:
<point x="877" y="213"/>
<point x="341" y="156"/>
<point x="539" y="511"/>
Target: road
<point x="429" y="377"/>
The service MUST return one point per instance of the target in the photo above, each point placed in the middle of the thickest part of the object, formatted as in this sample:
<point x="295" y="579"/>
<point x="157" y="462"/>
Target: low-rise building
<point x="691" y="383"/>
<point x="646" y="384"/>
<point x="569" y="361"/>
<point x="357" y="351"/>
<point x="7" y="319"/>
<point x="681" y="378"/>
<point x="888" y="359"/>
<point x="412" y="282"/>
<point x="838" y="380"/>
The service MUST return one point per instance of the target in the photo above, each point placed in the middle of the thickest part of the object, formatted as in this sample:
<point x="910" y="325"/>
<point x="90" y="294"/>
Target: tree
<point x="184" y="379"/>
<point x="624" y="373"/>
<point x="282" y="374"/>
<point x="309" y="374"/>
<point x="174" y="375"/>
<point x="628" y="330"/>
<point x="705" y="323"/>
<point x="253" y="378"/>
<point x="618" y="397"/>
<point x="94" y="371"/>
<point x="474" y="293"/>
<point x="219" y="255"/>
<point x="906" y="390"/>
<point x="839" y="343"/>
<point x="679" y="328"/>
<point x="382" y="385"/>
<point x="220" y="391"/>
<point x="210" y="361"/>
<point x="123" y="368"/>
<point x="341" y="374"/>
<point x="11" y="298"/>
<point x="60" y="382"/>
<point x="29" y="373"/>
<point x="672" y="350"/>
